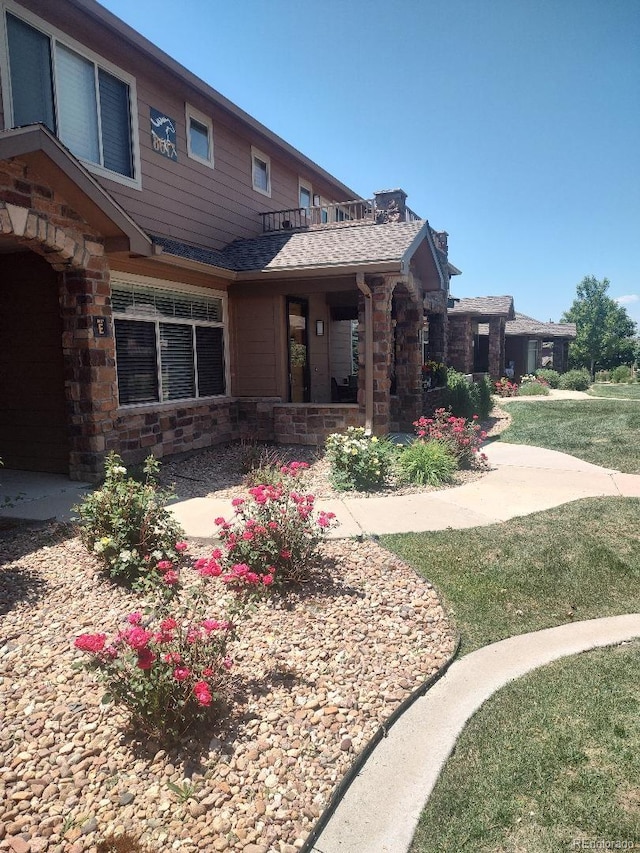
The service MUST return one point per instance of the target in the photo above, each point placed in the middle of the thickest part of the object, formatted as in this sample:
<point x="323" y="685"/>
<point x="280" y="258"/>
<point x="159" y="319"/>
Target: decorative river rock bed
<point x="317" y="673"/>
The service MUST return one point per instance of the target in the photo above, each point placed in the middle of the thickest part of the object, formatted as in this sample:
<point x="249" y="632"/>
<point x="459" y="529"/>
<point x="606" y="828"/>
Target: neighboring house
<point x="531" y="344"/>
<point x="174" y="274"/>
<point x="469" y="352"/>
<point x="486" y="335"/>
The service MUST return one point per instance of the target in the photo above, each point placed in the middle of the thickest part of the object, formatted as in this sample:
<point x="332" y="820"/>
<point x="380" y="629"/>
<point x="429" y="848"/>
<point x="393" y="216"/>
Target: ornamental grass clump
<point x="533" y="385"/>
<point x="463" y="437"/>
<point x="127" y="526"/>
<point x="170" y="671"/>
<point x="273" y="539"/>
<point x="427" y="463"/>
<point x="359" y="461"/>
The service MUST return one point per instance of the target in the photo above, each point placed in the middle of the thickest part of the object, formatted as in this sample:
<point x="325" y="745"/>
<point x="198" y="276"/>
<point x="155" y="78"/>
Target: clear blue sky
<point x="512" y="124"/>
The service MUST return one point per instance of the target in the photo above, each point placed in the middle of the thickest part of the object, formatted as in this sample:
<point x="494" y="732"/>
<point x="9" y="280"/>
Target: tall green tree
<point x="605" y="332"/>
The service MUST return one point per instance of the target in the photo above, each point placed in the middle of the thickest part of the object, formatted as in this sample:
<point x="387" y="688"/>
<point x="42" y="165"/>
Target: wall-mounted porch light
<point x="319" y="328"/>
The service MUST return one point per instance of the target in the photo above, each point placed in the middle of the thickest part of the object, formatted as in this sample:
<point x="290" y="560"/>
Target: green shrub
<point x="359" y="461"/>
<point x="603" y="376"/>
<point x="427" y="463"/>
<point x="533" y="389"/>
<point x="575" y="380"/>
<point x="622" y="373"/>
<point x="128" y="528"/>
<point x="551" y="377"/>
<point x="466" y="399"/>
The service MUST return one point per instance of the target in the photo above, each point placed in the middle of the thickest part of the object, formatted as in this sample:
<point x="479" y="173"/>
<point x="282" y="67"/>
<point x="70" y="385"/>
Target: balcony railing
<point x="359" y="210"/>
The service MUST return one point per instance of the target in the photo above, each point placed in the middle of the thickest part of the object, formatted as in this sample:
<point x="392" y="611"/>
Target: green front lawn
<point x="577" y="561"/>
<point x="628" y="392"/>
<point x="605" y="432"/>
<point x="551" y="760"/>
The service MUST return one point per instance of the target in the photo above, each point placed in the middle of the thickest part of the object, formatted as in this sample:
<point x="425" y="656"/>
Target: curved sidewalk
<point x="523" y="479"/>
<point x="380" y="810"/>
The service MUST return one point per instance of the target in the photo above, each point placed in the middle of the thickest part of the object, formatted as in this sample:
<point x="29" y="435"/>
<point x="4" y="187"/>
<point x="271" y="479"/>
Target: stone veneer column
<point x="90" y="383"/>
<point x="381" y="289"/>
<point x="461" y="343"/>
<point x="496" y="347"/>
<point x="408" y="358"/>
<point x="438" y="335"/>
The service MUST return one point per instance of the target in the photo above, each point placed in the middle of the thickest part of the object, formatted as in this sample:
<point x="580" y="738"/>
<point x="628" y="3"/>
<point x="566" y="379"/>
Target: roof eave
<point x="164" y="257"/>
<point x="321" y="270"/>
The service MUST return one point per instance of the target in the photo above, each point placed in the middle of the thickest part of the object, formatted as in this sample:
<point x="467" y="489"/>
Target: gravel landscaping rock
<point x="317" y="672"/>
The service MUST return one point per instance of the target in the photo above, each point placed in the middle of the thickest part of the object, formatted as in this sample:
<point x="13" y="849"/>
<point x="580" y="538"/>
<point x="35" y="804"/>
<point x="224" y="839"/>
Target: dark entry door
<point x="297" y="336"/>
<point x="33" y="419"/>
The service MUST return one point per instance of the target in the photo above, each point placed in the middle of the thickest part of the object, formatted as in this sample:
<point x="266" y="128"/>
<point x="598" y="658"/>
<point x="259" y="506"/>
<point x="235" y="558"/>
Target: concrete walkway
<point x="380" y="810"/>
<point x="523" y="480"/>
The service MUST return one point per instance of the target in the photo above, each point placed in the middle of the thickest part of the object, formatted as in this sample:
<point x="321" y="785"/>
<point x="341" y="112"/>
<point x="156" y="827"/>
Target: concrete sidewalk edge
<point x="381" y="809"/>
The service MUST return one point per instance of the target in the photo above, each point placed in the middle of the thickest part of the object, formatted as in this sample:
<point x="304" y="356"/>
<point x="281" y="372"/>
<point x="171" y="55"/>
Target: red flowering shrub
<point x="274" y="537"/>
<point x="168" y="671"/>
<point x="505" y="388"/>
<point x="464" y="437"/>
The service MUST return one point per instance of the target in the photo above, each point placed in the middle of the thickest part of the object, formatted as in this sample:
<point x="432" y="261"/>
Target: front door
<point x="33" y="411"/>
<point x="297" y="335"/>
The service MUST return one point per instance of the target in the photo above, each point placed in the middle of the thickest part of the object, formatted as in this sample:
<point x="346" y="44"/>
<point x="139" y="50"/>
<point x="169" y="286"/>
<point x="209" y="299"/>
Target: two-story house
<point x="173" y="274"/>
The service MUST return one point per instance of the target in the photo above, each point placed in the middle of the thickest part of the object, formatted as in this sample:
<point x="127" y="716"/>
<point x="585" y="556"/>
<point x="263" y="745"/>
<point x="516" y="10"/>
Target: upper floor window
<point x="199" y="137"/>
<point x="81" y="100"/>
<point x="261" y="172"/>
<point x="305" y="194"/>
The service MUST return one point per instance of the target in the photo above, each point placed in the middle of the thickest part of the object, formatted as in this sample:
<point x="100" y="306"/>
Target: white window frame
<point x="305" y="185"/>
<point x="205" y="121"/>
<point x="256" y="154"/>
<point x="188" y="290"/>
<point x="56" y="35"/>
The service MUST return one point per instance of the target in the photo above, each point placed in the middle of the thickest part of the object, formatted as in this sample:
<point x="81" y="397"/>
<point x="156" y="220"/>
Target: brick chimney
<point x="391" y="205"/>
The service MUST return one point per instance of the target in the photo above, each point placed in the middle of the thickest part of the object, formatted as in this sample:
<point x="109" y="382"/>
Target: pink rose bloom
<point x="168" y="624"/>
<point x="237" y="502"/>
<point x="181" y="673"/>
<point x="90" y="642"/>
<point x="227" y="663"/>
<point x="286" y="555"/>
<point x="172" y="657"/>
<point x="134" y="618"/>
<point x="171" y="578"/>
<point x="202" y="693"/>
<point x="164" y="565"/>
<point x="267" y="580"/>
<point x="145" y="658"/>
<point x="216" y="553"/>
<point x="219" y="521"/>
<point x="137" y="637"/>
<point x="182" y="546"/>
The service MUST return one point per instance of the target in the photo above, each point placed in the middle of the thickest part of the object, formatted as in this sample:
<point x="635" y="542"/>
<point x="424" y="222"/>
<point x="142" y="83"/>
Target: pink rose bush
<point x="273" y="539"/>
<point x="169" y="672"/>
<point x="464" y="437"/>
<point x="505" y="388"/>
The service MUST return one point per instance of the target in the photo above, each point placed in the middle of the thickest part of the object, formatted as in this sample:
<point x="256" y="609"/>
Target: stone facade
<point x="461" y="343"/>
<point x="306" y="423"/>
<point x="496" y="347"/>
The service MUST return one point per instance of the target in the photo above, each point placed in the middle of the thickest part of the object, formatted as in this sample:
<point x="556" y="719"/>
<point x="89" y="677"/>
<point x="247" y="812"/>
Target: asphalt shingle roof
<point x="494" y="306"/>
<point x="323" y="247"/>
<point x="523" y="325"/>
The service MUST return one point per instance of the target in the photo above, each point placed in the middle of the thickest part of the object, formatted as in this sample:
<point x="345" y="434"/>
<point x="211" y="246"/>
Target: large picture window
<point x="169" y="345"/>
<point x="86" y="105"/>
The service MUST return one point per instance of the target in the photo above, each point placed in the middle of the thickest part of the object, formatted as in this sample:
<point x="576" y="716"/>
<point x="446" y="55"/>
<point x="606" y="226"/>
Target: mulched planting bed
<point x="316" y="673"/>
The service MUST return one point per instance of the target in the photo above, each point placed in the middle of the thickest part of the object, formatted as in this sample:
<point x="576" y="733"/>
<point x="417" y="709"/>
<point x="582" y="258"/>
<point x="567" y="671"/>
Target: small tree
<point x="605" y="332"/>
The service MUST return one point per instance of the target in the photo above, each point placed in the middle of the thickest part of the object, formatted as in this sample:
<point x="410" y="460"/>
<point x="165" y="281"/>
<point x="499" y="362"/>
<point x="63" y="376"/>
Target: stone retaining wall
<point x="303" y="423"/>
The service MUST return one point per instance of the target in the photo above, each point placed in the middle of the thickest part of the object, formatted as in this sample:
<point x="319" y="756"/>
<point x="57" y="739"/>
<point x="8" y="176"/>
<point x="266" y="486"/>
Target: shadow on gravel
<point x="18" y="539"/>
